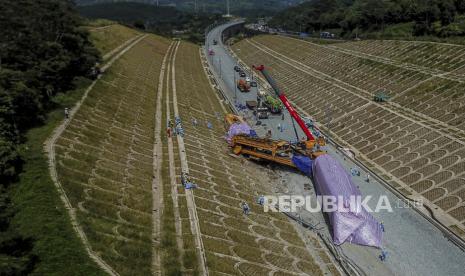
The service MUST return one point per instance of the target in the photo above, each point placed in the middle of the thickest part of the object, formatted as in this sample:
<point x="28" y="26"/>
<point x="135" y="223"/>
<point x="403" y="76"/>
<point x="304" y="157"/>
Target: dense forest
<point x="238" y="7"/>
<point x="161" y="20"/>
<point x="43" y="52"/>
<point x="441" y="18"/>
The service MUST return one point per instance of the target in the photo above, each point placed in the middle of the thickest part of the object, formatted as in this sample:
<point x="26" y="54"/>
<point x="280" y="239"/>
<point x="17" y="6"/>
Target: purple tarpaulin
<point x="331" y="179"/>
<point x="237" y="129"/>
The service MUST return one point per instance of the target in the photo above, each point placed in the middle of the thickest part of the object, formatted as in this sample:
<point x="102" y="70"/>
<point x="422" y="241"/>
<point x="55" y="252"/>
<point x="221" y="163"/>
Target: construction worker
<point x="383" y="255"/>
<point x="268" y="134"/>
<point x="66" y="113"/>
<point x="179" y="130"/>
<point x="245" y="208"/>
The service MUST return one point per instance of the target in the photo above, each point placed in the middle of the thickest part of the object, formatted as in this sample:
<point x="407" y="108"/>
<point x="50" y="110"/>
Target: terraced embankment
<point x="104" y="159"/>
<point x="257" y="244"/>
<point x="120" y="172"/>
<point x="112" y="38"/>
<point x="415" y="141"/>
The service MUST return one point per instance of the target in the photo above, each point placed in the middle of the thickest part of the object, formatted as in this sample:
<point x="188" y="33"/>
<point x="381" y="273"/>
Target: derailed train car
<point x="354" y="224"/>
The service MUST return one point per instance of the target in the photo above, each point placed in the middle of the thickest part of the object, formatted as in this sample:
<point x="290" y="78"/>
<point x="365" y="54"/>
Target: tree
<point x="43" y="49"/>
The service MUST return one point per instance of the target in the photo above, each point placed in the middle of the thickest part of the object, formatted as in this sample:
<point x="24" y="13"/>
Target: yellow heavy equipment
<point x="277" y="151"/>
<point x="281" y="152"/>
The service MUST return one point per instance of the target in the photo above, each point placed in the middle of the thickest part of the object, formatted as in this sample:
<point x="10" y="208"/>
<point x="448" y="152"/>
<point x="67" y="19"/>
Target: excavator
<point x="277" y="151"/>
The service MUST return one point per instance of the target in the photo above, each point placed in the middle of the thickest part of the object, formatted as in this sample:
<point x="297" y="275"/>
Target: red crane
<point x="285" y="101"/>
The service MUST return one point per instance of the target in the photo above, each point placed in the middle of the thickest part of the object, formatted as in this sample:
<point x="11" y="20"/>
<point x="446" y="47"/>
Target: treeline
<point x="161" y="20"/>
<point x="237" y="7"/>
<point x="43" y="51"/>
<point x="441" y="18"/>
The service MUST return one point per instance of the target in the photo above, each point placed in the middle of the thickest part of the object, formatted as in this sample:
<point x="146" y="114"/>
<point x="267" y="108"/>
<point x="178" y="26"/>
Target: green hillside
<point x="161" y="20"/>
<point x="389" y="18"/>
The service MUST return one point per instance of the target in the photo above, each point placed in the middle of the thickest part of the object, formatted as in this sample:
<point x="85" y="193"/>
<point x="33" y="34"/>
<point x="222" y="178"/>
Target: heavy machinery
<point x="243" y="86"/>
<point x="310" y="139"/>
<point x="281" y="152"/>
<point x="273" y="104"/>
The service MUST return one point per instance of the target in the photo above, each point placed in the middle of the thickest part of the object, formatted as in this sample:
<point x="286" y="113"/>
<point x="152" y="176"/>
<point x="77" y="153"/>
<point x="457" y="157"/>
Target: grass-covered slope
<point x="110" y="37"/>
<point x="415" y="140"/>
<point x="235" y="243"/>
<point x="105" y="159"/>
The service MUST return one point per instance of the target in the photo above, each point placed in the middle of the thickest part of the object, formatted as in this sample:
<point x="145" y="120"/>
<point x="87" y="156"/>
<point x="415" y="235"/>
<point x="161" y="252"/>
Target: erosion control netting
<point x="350" y="225"/>
<point x="238" y="129"/>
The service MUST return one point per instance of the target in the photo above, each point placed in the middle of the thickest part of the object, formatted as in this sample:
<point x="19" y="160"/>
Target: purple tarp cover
<point x="237" y="129"/>
<point x="331" y="179"/>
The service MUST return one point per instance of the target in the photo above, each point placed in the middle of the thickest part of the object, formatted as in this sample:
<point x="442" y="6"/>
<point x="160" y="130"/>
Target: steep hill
<point x="161" y="20"/>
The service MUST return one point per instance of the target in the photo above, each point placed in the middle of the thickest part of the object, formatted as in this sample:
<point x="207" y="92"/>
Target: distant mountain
<point x="219" y="6"/>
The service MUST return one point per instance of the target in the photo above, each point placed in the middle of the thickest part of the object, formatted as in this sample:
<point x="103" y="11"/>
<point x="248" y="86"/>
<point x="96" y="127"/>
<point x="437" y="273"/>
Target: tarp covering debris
<point x="237" y="129"/>
<point x="357" y="227"/>
<point x="303" y="163"/>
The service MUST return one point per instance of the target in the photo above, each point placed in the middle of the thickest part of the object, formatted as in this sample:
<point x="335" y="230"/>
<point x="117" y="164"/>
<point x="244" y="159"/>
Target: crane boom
<point x="285" y="101"/>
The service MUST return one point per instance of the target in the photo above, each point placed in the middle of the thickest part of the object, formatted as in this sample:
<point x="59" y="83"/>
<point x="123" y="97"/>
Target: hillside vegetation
<point x="107" y="38"/>
<point x="44" y="55"/>
<point x="441" y="18"/>
<point x="238" y="7"/>
<point x="161" y="20"/>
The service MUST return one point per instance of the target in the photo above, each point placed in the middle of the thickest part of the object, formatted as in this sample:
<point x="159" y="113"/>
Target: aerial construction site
<point x="187" y="159"/>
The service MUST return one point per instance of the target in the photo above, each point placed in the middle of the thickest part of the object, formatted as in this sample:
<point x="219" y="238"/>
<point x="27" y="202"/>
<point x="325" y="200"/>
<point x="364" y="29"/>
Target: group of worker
<point x="356" y="172"/>
<point x="246" y="207"/>
<point x="175" y="128"/>
<point x="186" y="182"/>
<point x="195" y="123"/>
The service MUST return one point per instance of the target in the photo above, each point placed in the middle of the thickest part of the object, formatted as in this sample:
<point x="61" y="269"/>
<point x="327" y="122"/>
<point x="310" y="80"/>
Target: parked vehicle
<point x="273" y="104"/>
<point x="237" y="68"/>
<point x="253" y="84"/>
<point x="327" y="35"/>
<point x="243" y="86"/>
<point x="242" y="74"/>
<point x="262" y="113"/>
